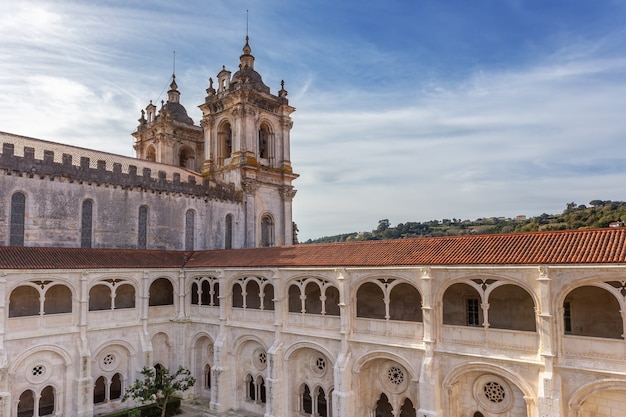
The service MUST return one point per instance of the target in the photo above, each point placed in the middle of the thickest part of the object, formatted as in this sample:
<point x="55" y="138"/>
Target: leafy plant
<point x="157" y="386"/>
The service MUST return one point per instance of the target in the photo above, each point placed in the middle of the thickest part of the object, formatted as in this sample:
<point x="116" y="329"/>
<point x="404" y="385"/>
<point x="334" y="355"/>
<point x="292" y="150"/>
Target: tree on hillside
<point x="158" y="386"/>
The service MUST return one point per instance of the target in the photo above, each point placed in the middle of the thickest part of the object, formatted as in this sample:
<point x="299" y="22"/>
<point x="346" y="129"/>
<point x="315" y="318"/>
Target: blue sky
<point x="406" y="110"/>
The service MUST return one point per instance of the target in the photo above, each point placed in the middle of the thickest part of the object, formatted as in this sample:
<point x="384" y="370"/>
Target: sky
<point x="407" y="110"/>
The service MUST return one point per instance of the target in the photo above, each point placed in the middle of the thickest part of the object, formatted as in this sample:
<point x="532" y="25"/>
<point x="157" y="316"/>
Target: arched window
<point x="189" y="229"/>
<point x="512" y="308"/>
<point x="58" y="299"/>
<point x="407" y="409"/>
<point x="295" y="303"/>
<point x="593" y="312"/>
<point x="207" y="376"/>
<point x="24" y="301"/>
<point x="125" y="296"/>
<point x="99" y="298"/>
<point x="461" y="306"/>
<point x="194" y="294"/>
<point x="261" y="385"/>
<point x="161" y="293"/>
<point x="237" y="296"/>
<point x="205" y="298"/>
<point x="116" y="387"/>
<point x="99" y="390"/>
<point x="268" y="297"/>
<point x="225" y="137"/>
<point x="312" y="301"/>
<point x="264" y="142"/>
<point x="322" y="404"/>
<point x="307" y="401"/>
<point x="18" y="209"/>
<point x="267" y="231"/>
<point x="151" y="154"/>
<point x="46" y="401"/>
<point x="86" y="224"/>
<point x="251" y="390"/>
<point x="405" y="303"/>
<point x="186" y="159"/>
<point x="332" y="301"/>
<point x="370" y="301"/>
<point x="228" y="232"/>
<point x="383" y="407"/>
<point x="142" y="229"/>
<point x="253" y="298"/>
<point x="26" y="404"/>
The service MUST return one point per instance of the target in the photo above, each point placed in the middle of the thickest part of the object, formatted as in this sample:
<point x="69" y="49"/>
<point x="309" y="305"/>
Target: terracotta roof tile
<point x="14" y="257"/>
<point x="558" y="247"/>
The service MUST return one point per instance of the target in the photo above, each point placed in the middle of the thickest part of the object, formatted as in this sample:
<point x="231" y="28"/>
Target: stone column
<point x="83" y="401"/>
<point x="343" y="396"/>
<point x="548" y="390"/>
<point x="277" y="385"/>
<point x="427" y="385"/>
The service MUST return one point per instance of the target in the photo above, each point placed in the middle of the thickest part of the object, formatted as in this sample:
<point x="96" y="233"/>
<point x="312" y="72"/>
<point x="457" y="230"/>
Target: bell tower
<point x="246" y="143"/>
<point x="169" y="136"/>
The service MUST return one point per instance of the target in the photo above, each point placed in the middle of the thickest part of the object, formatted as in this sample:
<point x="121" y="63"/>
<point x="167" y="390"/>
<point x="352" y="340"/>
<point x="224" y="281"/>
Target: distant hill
<point x="599" y="213"/>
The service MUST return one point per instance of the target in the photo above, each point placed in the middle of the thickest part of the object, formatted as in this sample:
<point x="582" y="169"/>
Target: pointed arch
<point x="18" y="219"/>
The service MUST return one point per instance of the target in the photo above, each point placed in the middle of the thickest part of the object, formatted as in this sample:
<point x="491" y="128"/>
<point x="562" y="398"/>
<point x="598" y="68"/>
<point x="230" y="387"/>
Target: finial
<point x="247" y="14"/>
<point x="174" y="65"/>
<point x="210" y="82"/>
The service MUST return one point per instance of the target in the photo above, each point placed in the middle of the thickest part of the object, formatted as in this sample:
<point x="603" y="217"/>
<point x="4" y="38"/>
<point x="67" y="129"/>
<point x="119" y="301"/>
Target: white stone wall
<point x="53" y="215"/>
<point x="441" y="369"/>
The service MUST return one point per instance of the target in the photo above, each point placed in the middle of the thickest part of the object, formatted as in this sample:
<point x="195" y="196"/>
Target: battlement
<point x="141" y="175"/>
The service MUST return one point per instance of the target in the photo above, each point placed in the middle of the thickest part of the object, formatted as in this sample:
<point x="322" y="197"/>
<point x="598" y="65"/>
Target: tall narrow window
<point x="189" y="229"/>
<point x="18" y="205"/>
<point x="267" y="231"/>
<point x="264" y="142"/>
<point x="228" y="232"/>
<point x="473" y="312"/>
<point x="567" y="317"/>
<point x="85" y="224"/>
<point x="46" y="401"/>
<point x="142" y="230"/>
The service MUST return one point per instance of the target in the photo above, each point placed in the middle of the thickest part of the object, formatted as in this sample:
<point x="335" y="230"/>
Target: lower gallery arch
<point x="600" y="397"/>
<point x="479" y="388"/>
<point x="251" y="356"/>
<point x="310" y="381"/>
<point x="202" y="360"/>
<point x="386" y="386"/>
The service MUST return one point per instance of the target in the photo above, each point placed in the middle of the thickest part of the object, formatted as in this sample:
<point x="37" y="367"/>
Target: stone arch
<point x="370" y="301"/>
<point x="405" y="302"/>
<point x="225" y="145"/>
<point x="384" y="373"/>
<point x="511" y="307"/>
<point x="161" y="349"/>
<point x="586" y="391"/>
<point x="267" y="230"/>
<point x="186" y="158"/>
<point x="461" y="305"/>
<point x="162" y="292"/>
<point x="24" y="300"/>
<point x="485" y="368"/>
<point x="205" y="284"/>
<point x="265" y="140"/>
<point x="202" y="357"/>
<point x="151" y="153"/>
<point x="592" y="310"/>
<point x="289" y="351"/>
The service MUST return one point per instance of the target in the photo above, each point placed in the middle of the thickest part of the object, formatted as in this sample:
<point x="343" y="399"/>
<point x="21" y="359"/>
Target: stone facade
<point x="321" y="341"/>
<point x="183" y="191"/>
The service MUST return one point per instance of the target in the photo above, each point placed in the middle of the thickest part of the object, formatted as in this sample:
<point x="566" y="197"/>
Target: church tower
<point x="169" y="136"/>
<point x="246" y="143"/>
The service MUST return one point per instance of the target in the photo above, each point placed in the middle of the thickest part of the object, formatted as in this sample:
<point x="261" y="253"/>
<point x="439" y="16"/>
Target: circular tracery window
<point x="395" y="375"/>
<point x="38" y="372"/>
<point x="108" y="362"/>
<point x="259" y="358"/>
<point x="318" y="365"/>
<point x="493" y="393"/>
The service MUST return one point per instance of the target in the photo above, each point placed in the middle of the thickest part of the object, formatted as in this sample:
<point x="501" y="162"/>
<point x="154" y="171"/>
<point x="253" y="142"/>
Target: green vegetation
<point x="158" y="386"/>
<point x="599" y="213"/>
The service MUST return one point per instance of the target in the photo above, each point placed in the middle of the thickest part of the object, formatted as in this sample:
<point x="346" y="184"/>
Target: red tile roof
<point x="559" y="247"/>
<point x="14" y="257"/>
